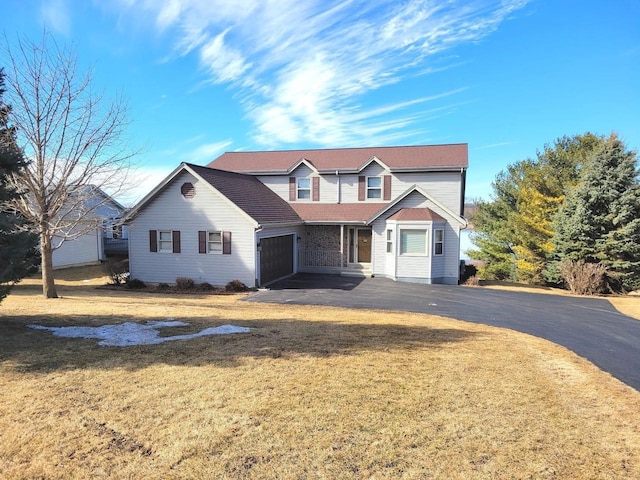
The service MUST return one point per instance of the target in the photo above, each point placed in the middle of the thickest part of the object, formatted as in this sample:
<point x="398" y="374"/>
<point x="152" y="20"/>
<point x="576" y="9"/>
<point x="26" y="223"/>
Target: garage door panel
<point x="276" y="258"/>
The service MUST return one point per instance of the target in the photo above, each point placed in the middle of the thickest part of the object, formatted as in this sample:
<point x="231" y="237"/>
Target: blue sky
<point x="207" y="76"/>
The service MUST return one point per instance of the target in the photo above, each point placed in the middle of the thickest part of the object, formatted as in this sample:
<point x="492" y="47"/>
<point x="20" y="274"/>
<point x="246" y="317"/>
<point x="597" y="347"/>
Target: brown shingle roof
<point x="416" y="214"/>
<point x="248" y="193"/>
<point x="337" y="212"/>
<point x="346" y="159"/>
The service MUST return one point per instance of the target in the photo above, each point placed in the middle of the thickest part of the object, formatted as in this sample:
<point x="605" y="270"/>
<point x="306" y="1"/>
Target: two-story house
<point x="395" y="212"/>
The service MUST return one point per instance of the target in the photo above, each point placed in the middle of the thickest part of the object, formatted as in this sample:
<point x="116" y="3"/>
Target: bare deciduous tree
<point x="73" y="138"/>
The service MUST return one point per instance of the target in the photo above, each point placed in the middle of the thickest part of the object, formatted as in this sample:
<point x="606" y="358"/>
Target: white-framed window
<point x="438" y="241"/>
<point x="304" y="188"/>
<point x="413" y="242"/>
<point x="165" y="241"/>
<point x="374" y="187"/>
<point x="389" y="241"/>
<point x="214" y="242"/>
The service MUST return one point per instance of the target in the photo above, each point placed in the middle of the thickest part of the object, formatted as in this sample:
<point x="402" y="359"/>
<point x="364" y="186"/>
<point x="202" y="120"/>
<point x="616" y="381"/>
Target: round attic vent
<point x="188" y="190"/>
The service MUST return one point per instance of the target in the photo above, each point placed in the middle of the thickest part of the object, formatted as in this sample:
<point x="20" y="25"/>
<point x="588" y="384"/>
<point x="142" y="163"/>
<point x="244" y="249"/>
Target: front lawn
<point x="310" y="392"/>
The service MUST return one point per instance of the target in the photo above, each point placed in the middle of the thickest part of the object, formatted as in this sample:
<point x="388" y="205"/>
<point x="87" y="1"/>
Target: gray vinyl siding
<point x="414" y="266"/>
<point x="107" y="210"/>
<point x="438" y="262"/>
<point x="389" y="257"/>
<point x="277" y="183"/>
<point x="87" y="248"/>
<point x="84" y="250"/>
<point x="443" y="186"/>
<point x="379" y="227"/>
<point x="280" y="184"/>
<point x="382" y="264"/>
<point x="373" y="170"/>
<point x="208" y="210"/>
<point x="280" y="230"/>
<point x="430" y="268"/>
<point x="446" y="268"/>
<point x="349" y="183"/>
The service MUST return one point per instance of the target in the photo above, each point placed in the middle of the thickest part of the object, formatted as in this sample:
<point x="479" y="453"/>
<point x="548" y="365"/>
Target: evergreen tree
<point x="513" y="231"/>
<point x="600" y="220"/>
<point x="17" y="247"/>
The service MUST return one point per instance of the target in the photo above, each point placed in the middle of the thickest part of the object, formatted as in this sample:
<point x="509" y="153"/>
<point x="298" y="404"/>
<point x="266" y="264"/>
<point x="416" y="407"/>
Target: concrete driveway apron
<point x="591" y="327"/>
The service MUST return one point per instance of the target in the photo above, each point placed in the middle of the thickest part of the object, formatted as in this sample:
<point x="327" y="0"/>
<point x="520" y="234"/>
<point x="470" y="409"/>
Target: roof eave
<point x="302" y="161"/>
<point x="149" y="196"/>
<point x="452" y="168"/>
<point x="335" y="222"/>
<point x="280" y="224"/>
<point x="372" y="160"/>
<point x="461" y="220"/>
<point x="347" y="171"/>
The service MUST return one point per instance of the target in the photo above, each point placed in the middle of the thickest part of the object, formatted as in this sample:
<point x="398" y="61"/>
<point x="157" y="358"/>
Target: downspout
<point x="341" y="246"/>
<point x="342" y="225"/>
<point x="256" y="268"/>
<point x="100" y="246"/>
<point x="463" y="175"/>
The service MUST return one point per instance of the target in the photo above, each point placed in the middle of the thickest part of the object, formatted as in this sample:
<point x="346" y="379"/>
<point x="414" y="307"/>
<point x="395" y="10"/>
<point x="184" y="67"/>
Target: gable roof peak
<point x="246" y="192"/>
<point x="373" y="159"/>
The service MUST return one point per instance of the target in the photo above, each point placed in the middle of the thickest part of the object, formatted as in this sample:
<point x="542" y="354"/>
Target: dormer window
<point x="374" y="187"/>
<point x="304" y="188"/>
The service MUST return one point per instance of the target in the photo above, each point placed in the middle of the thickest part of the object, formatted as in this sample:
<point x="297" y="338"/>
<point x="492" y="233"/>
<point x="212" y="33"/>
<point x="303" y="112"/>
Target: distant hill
<point x="469" y="211"/>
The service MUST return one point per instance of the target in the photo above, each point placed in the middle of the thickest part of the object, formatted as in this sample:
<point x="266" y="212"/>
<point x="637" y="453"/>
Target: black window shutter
<point x="176" y="241"/>
<point x="153" y="240"/>
<point x="202" y="242"/>
<point x="226" y="243"/>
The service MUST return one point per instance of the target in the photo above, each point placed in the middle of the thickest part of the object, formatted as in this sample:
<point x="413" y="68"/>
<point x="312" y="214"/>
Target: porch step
<point x="356" y="272"/>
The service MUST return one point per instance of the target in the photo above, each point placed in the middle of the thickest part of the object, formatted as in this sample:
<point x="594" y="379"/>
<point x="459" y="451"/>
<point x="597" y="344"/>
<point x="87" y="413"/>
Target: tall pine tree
<point x="17" y="247"/>
<point x="513" y="231"/>
<point x="600" y="219"/>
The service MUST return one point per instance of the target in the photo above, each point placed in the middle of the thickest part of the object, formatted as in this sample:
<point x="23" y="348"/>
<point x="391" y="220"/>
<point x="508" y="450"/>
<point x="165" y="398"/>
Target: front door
<point x="359" y="245"/>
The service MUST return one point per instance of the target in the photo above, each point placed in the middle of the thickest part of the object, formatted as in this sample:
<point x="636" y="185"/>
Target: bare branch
<point x="73" y="137"/>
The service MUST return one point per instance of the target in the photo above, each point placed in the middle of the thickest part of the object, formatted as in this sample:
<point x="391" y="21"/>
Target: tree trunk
<point x="48" y="285"/>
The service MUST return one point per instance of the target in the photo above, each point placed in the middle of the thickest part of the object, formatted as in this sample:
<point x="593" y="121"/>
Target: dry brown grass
<point x="522" y="287"/>
<point x="312" y="392"/>
<point x="628" y="305"/>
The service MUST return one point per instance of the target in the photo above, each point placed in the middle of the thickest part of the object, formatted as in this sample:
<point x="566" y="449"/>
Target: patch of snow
<point x="130" y="334"/>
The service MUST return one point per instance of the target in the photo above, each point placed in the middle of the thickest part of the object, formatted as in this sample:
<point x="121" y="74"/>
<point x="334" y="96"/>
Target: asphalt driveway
<point x="591" y="327"/>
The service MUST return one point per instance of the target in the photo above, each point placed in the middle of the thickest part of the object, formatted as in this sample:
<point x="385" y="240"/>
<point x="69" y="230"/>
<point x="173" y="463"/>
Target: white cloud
<point x="493" y="145"/>
<point x="169" y="13"/>
<point x="302" y="69"/>
<point x="56" y="15"/>
<point x="149" y="174"/>
<point x="223" y="62"/>
<point x="206" y="152"/>
<point x="141" y="182"/>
